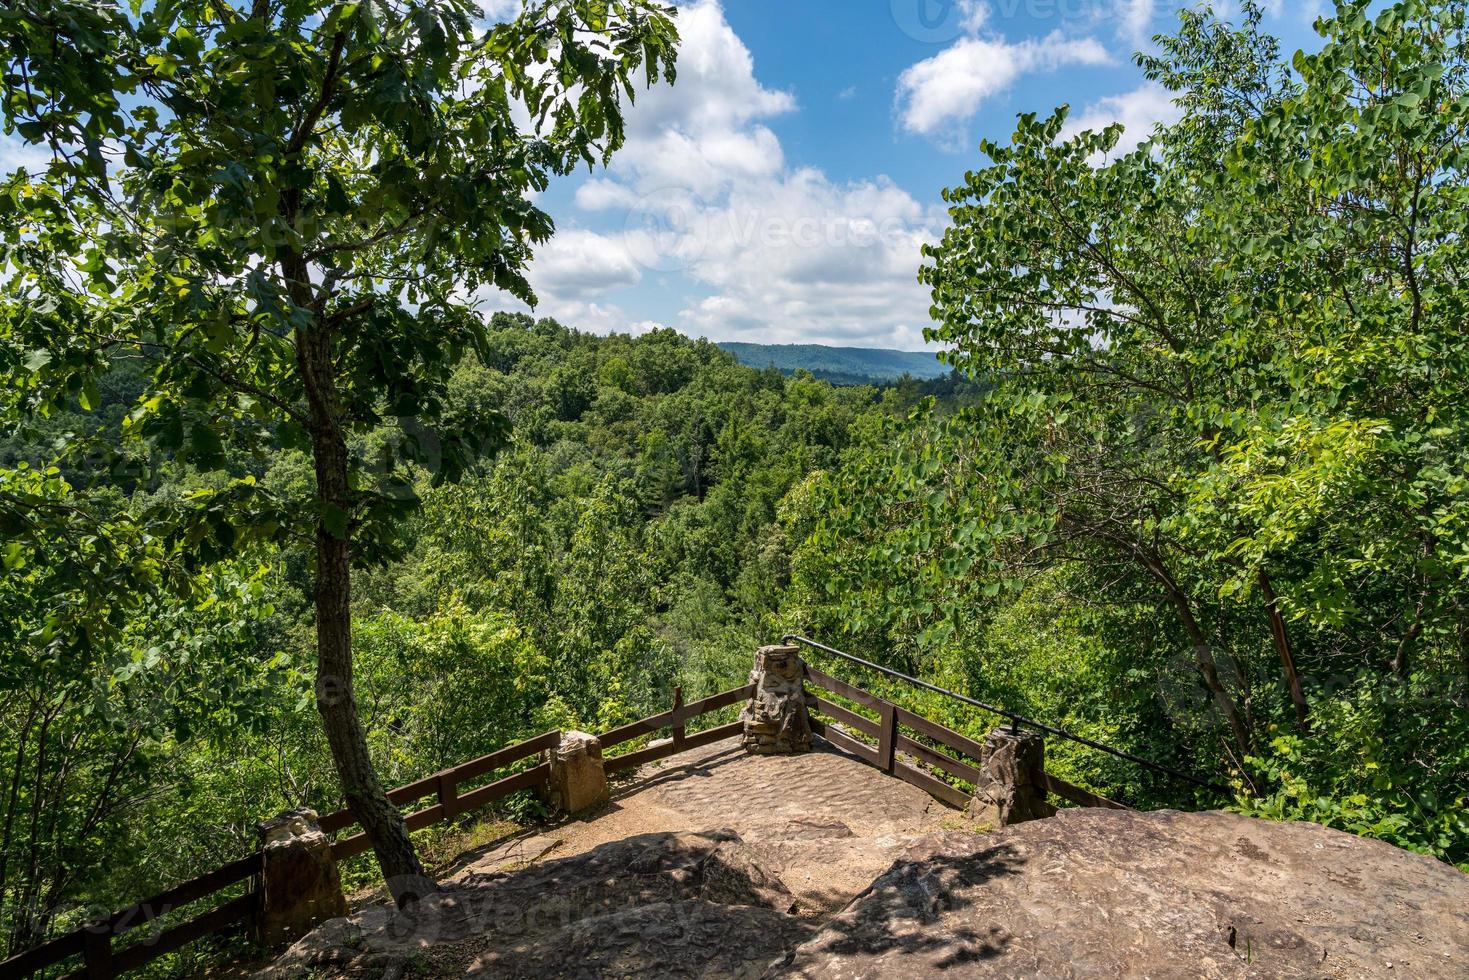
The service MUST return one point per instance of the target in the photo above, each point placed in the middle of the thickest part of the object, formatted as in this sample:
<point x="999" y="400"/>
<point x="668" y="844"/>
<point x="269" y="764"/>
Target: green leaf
<point x="335" y="520"/>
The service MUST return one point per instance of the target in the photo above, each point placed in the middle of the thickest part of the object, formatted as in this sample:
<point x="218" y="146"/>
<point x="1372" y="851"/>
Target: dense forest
<point x="630" y="540"/>
<point x="1197" y="485"/>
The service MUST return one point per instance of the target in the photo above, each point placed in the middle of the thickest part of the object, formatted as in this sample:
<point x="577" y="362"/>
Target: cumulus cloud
<point x="1139" y="111"/>
<point x="808" y="258"/>
<point x="707" y="132"/>
<point x="1135" y="20"/>
<point x="499" y="11"/>
<point x="937" y="95"/>
<point x="763" y="250"/>
<point x="577" y="263"/>
<point x="596" y="316"/>
<point x="15" y="153"/>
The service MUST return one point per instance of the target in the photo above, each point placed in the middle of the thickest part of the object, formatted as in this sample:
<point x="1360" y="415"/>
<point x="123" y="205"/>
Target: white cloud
<point x="939" y="94"/>
<point x="576" y="264"/>
<point x="762" y="250"/>
<point x="16" y="153"/>
<point x="807" y="258"/>
<point x="973" y="14"/>
<point x="706" y="132"/>
<point x="583" y="314"/>
<point x="1138" y="111"/>
<point x="499" y="11"/>
<point x="600" y="194"/>
<point x="1135" y="20"/>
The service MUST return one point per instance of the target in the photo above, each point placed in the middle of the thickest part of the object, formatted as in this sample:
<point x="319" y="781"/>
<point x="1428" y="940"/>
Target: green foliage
<point x="1227" y="414"/>
<point x="245" y="181"/>
<point x="1363" y="770"/>
<point x="632" y="537"/>
<point x="278" y="216"/>
<point x="453" y="686"/>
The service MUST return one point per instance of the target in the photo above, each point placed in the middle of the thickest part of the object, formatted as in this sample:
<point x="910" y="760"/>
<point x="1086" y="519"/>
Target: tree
<point x="284" y="209"/>
<point x="1228" y="372"/>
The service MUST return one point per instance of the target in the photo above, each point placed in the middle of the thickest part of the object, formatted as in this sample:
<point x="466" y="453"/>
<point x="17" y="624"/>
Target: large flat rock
<point x="652" y="905"/>
<point x="1101" y="893"/>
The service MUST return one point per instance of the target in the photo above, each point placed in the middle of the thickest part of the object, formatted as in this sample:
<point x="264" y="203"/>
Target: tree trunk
<point x="1281" y="640"/>
<point x="335" y="700"/>
<point x="1203" y="654"/>
<point x="1203" y="650"/>
<point x="1209" y="668"/>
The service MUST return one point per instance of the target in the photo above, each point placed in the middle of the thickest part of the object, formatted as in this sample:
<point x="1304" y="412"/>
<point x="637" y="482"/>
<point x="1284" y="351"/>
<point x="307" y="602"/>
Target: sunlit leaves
<point x="222" y="185"/>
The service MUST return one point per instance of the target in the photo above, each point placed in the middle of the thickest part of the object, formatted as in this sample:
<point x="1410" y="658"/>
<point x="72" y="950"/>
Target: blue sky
<point x="781" y="191"/>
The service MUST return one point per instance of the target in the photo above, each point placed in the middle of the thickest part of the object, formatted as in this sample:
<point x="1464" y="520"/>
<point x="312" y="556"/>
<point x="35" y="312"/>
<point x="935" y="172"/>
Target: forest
<point x="288" y="519"/>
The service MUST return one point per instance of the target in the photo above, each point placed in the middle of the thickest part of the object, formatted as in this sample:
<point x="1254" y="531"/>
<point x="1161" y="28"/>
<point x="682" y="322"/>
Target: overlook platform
<point x="714" y="863"/>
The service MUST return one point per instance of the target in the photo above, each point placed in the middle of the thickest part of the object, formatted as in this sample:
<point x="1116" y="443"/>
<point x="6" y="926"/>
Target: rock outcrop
<point x="835" y="870"/>
<point x="578" y="780"/>
<point x="1010" y="790"/>
<point x="300" y="887"/>
<point x="653" y="905"/>
<point x="1104" y="893"/>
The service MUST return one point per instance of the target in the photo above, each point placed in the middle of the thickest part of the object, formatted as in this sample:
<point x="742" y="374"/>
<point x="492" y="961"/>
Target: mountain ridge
<point x="840" y="364"/>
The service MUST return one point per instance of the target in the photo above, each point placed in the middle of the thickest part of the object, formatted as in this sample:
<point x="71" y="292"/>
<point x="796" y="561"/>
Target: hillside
<point x="840" y="365"/>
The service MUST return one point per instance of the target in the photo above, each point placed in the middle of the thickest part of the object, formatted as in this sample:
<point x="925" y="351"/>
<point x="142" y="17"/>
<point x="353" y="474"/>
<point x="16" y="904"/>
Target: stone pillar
<point x="775" y="718"/>
<point x="1011" y="789"/>
<point x="300" y="886"/>
<point x="578" y="779"/>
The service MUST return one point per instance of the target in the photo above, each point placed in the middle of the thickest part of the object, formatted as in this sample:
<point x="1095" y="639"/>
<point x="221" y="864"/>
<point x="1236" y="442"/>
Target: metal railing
<point x="1017" y="720"/>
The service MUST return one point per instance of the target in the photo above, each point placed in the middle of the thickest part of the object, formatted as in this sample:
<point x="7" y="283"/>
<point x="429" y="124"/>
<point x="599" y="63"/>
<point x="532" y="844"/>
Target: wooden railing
<point x="94" y="941"/>
<point x="445" y="786"/>
<point x="887" y="729"/>
<point x="673" y="719"/>
<point x="890" y="729"/>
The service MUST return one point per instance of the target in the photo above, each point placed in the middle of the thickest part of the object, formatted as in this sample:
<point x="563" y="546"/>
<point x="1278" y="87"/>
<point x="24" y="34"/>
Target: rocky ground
<point x="716" y="864"/>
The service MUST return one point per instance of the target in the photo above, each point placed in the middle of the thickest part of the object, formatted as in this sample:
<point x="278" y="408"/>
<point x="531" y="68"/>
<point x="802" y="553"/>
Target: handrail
<point x="1017" y="720"/>
<point x="89" y="940"/>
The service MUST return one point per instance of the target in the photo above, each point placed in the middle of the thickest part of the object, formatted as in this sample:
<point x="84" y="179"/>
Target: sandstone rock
<point x="300" y="885"/>
<point x="1109" y="893"/>
<point x="578" y="780"/>
<point x="775" y="718"/>
<point x="670" y="939"/>
<point x="728" y="918"/>
<point x="1011" y="790"/>
<point x="512" y="854"/>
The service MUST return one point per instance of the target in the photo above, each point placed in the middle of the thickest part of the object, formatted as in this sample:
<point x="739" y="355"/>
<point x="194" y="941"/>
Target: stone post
<point x="775" y="718"/>
<point x="300" y="886"/>
<point x="578" y="780"/>
<point x="1012" y="788"/>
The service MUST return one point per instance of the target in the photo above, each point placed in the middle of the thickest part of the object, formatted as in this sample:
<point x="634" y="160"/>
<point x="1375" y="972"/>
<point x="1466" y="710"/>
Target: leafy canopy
<point x="226" y="181"/>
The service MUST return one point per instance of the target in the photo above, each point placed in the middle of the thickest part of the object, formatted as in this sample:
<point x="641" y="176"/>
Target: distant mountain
<point x="841" y="365"/>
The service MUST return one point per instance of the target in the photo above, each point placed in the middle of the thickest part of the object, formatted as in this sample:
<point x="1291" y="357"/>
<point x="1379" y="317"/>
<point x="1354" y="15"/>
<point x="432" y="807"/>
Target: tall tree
<point x="285" y="208"/>
<point x="1228" y="368"/>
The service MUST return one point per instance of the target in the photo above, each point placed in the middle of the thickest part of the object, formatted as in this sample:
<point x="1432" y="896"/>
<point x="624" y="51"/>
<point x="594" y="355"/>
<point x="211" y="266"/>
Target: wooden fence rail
<point x="674" y="719"/>
<point x="94" y="941"/>
<point x="887" y="728"/>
